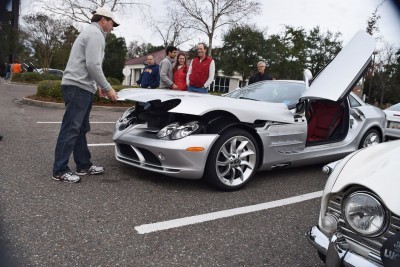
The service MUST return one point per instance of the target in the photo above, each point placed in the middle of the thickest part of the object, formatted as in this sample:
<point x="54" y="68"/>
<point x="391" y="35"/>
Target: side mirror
<point x="307" y="77"/>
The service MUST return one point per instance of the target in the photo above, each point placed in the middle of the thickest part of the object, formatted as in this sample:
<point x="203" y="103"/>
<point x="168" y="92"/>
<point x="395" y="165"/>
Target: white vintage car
<point x="266" y="125"/>
<point x="393" y="121"/>
<point x="359" y="221"/>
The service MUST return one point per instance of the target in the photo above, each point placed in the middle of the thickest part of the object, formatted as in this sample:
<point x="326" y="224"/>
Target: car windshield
<point x="271" y="91"/>
<point x="394" y="107"/>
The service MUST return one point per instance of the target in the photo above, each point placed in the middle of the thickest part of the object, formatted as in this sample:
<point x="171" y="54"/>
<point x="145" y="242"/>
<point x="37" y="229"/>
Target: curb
<point x="39" y="103"/>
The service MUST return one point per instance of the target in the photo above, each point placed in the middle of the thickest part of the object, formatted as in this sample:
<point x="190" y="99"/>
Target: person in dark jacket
<point x="261" y="75"/>
<point x="150" y="77"/>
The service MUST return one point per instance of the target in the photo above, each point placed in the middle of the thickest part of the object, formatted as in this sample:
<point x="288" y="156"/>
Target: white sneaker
<point x="92" y="170"/>
<point x="68" y="177"/>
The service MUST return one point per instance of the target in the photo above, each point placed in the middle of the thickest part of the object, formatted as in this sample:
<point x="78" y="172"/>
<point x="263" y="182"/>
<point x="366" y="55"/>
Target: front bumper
<point x="335" y="255"/>
<point x="140" y="148"/>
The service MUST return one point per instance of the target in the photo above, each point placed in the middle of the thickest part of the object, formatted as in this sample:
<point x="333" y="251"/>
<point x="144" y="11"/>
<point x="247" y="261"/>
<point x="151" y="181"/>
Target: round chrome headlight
<point x="364" y="214"/>
<point x="184" y="130"/>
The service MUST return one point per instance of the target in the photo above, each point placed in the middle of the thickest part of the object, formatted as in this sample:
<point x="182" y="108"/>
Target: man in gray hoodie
<point x="82" y="76"/>
<point x="166" y="69"/>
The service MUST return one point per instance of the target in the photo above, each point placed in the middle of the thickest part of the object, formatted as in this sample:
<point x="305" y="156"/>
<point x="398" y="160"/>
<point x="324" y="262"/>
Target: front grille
<point x="373" y="244"/>
<point x="127" y="151"/>
<point x="138" y="155"/>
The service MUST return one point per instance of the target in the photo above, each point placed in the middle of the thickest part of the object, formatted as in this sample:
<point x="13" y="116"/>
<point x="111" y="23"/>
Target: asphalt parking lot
<point x="131" y="217"/>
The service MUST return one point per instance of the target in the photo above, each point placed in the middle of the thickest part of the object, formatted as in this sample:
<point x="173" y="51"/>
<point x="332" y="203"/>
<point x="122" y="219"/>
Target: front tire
<point x="232" y="161"/>
<point x="322" y="257"/>
<point x="370" y="138"/>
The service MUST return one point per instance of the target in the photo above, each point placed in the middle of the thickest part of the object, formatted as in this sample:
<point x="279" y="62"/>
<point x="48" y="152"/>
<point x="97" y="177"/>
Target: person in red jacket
<point x="201" y="71"/>
<point x="180" y="71"/>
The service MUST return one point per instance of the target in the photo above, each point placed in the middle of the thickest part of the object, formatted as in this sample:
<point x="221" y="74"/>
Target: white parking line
<point x="58" y="122"/>
<point x="159" y="226"/>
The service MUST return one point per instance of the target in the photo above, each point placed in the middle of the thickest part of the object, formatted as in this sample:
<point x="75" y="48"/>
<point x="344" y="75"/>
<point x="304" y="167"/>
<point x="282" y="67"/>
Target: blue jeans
<point x="74" y="126"/>
<point x="8" y="75"/>
<point x="202" y="90"/>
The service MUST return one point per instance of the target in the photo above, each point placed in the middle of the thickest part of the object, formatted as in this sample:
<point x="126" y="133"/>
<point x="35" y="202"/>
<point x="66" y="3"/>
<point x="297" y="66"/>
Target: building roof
<point x="158" y="56"/>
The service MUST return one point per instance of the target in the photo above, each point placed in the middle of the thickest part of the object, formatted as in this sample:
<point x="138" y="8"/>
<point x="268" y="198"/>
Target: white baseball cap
<point x="102" y="11"/>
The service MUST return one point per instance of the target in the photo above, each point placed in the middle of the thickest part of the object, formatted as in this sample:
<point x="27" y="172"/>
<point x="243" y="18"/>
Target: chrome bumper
<point x="336" y="256"/>
<point x="169" y="157"/>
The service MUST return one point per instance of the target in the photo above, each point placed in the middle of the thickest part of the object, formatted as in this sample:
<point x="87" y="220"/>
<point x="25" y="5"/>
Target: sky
<point x="345" y="16"/>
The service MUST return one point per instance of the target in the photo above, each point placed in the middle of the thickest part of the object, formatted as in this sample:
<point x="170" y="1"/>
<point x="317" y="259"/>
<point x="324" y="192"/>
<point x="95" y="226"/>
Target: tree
<point x="372" y="26"/>
<point x="383" y="86"/>
<point x="135" y="49"/>
<point x="172" y="29"/>
<point x="44" y="36"/>
<point x="241" y="50"/>
<point x="290" y="52"/>
<point x="114" y="59"/>
<point x="61" y="54"/>
<point x="209" y="16"/>
<point x="321" y="48"/>
<point x="393" y="95"/>
<point x="81" y="10"/>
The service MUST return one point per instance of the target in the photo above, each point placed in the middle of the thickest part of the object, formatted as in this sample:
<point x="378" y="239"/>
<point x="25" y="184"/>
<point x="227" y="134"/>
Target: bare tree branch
<point x="171" y="28"/>
<point x="209" y="16"/>
<point x="81" y="10"/>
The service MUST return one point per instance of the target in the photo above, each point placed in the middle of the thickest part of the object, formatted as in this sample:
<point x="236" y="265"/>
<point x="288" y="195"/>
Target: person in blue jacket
<point x="150" y="77"/>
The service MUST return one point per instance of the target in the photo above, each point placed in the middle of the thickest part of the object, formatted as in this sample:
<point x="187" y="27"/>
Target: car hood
<point x="375" y="168"/>
<point x="200" y="104"/>
<point x="339" y="77"/>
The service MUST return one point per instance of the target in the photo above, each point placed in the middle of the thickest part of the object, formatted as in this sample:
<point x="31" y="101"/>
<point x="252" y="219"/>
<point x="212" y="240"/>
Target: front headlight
<point x="126" y="119"/>
<point x="364" y="214"/>
<point x="126" y="113"/>
<point x="175" y="131"/>
<point x="167" y="130"/>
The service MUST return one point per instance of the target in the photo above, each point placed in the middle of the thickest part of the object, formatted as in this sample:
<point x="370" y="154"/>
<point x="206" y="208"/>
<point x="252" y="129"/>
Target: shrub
<point x="16" y="77"/>
<point x="50" y="89"/>
<point x="113" y="81"/>
<point x="33" y="77"/>
<point x="52" y="77"/>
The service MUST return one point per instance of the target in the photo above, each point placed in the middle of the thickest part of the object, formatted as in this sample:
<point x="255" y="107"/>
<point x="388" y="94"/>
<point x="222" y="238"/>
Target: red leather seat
<point x="324" y="118"/>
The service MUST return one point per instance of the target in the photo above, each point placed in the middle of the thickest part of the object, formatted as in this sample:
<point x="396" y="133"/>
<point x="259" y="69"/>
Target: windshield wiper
<point x="243" y="97"/>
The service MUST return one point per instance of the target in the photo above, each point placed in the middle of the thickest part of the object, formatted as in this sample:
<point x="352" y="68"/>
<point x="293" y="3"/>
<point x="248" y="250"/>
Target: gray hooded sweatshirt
<point x="84" y="64"/>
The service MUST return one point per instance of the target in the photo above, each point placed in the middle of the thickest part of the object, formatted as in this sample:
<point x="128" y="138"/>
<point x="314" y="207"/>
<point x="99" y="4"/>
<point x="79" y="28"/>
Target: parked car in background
<point x="359" y="221"/>
<point x="393" y="121"/>
<point x="51" y="71"/>
<point x="266" y="125"/>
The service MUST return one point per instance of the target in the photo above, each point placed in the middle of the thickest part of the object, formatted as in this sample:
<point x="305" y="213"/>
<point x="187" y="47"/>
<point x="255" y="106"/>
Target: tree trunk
<point x="210" y="41"/>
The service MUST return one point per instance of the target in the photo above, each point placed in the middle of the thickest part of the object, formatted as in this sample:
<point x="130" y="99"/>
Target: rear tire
<point x="232" y="161"/>
<point x="370" y="138"/>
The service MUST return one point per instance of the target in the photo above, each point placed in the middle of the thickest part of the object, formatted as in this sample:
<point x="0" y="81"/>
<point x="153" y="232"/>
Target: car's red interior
<point x="324" y="118"/>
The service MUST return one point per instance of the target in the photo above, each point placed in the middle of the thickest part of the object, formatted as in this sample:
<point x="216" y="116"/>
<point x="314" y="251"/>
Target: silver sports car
<point x="271" y="124"/>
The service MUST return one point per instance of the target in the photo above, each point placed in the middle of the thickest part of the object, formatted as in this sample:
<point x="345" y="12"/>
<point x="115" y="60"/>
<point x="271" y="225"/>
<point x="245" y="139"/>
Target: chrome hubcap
<point x="371" y="139"/>
<point x="236" y="161"/>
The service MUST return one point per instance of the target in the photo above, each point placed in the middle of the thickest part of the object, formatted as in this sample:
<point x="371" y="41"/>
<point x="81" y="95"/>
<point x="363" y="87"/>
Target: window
<point x="353" y="102"/>
<point x="220" y="85"/>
